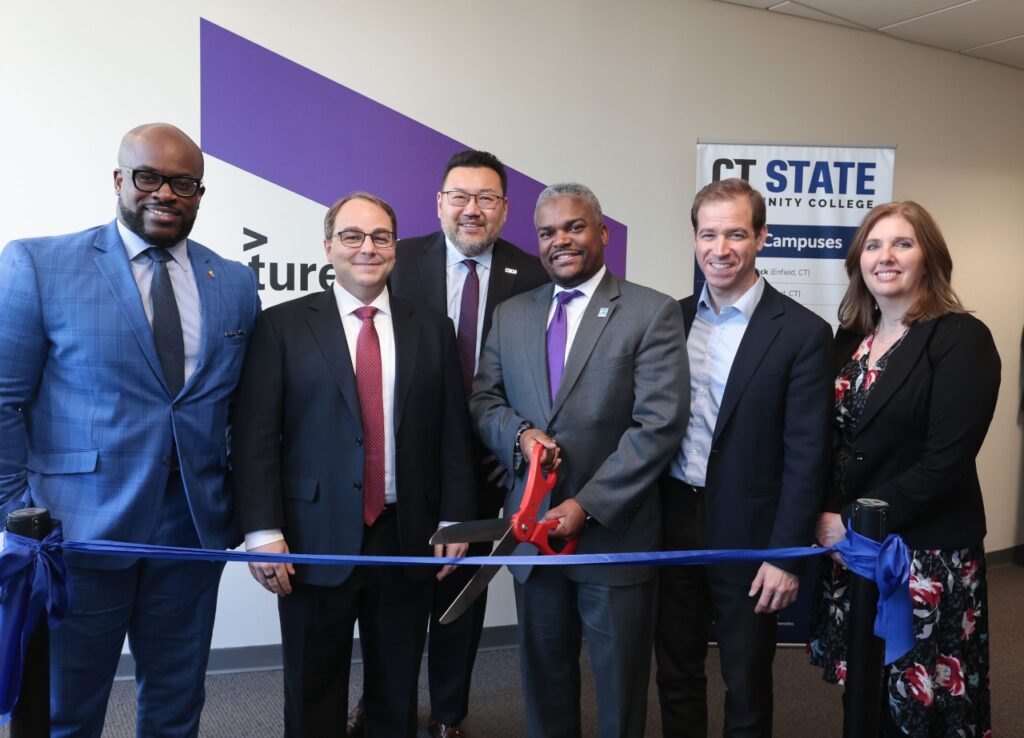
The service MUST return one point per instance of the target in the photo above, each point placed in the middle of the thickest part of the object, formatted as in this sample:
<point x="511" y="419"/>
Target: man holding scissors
<point x="594" y="370"/>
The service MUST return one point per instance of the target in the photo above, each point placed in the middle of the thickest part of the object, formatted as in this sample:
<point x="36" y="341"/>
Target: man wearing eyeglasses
<point x="352" y="437"/>
<point x="463" y="271"/>
<point x="120" y="348"/>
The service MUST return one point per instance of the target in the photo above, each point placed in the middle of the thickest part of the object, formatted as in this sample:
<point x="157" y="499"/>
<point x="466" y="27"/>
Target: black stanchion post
<point x="864" y="651"/>
<point x="31" y="716"/>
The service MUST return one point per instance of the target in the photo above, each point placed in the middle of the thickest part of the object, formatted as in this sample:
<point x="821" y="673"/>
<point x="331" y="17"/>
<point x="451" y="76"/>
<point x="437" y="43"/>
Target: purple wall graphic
<point x="302" y="131"/>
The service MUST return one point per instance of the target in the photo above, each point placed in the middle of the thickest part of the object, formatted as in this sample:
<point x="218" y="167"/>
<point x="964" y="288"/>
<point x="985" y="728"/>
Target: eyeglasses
<point x="353" y="239"/>
<point x="460" y="199"/>
<point x="147" y="181"/>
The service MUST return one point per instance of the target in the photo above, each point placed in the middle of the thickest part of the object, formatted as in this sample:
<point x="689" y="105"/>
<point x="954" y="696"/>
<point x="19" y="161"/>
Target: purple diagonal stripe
<point x="302" y="131"/>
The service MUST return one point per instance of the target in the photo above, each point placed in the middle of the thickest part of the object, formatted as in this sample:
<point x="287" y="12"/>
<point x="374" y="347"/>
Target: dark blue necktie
<point x="170" y="345"/>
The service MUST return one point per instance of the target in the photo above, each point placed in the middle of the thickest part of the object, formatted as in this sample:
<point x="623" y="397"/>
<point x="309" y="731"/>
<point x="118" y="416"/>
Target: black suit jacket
<point x="917" y="438"/>
<point x="298" y="453"/>
<point x="770" y="450"/>
<point x="420" y="275"/>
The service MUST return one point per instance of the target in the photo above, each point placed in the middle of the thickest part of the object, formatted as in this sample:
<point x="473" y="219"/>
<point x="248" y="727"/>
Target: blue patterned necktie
<point x="170" y="345"/>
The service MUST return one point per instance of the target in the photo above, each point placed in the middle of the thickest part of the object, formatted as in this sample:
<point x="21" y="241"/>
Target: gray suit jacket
<point x="619" y="416"/>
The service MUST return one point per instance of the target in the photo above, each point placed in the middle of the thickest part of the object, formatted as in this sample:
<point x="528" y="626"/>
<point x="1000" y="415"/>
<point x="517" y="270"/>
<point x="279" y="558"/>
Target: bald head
<point x="161" y="217"/>
<point x="151" y="137"/>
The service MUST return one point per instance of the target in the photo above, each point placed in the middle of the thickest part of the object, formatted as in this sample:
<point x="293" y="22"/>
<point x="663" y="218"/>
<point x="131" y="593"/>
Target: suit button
<point x="858" y="456"/>
<point x="359" y="441"/>
<point x="175" y="407"/>
<point x="357" y="486"/>
<point x="550" y="432"/>
<point x="166" y="460"/>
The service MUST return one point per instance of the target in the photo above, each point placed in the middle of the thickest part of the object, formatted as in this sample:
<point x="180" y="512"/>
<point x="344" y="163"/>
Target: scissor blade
<point x="475" y="586"/>
<point x="471" y="531"/>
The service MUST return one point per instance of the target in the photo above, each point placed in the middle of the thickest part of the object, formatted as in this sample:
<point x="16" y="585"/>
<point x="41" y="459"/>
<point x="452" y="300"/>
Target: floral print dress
<point x="939" y="688"/>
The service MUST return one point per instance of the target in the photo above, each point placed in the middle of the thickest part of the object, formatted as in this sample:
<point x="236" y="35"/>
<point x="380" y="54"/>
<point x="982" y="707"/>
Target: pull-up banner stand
<point x="816" y="197"/>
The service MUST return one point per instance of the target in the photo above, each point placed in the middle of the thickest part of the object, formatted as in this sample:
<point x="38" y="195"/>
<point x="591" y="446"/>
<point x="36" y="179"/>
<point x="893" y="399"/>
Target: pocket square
<point x="235" y="333"/>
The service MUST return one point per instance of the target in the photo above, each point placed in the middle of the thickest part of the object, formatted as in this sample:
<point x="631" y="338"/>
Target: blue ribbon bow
<point x="33" y="580"/>
<point x="887" y="564"/>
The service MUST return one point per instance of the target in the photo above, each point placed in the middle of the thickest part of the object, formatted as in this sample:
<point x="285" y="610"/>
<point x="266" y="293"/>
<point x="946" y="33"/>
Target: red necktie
<point x="371" y="411"/>
<point x="466" y="339"/>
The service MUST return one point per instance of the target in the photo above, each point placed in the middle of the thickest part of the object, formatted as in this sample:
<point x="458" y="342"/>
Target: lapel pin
<point x="602" y="313"/>
<point x="211" y="275"/>
<point x="510" y="270"/>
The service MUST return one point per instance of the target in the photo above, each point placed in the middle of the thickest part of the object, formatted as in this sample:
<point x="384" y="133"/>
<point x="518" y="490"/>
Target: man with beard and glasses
<point x="120" y="349"/>
<point x="463" y="271"/>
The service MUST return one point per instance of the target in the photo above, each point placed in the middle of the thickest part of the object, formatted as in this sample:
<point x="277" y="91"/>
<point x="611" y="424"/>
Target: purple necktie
<point x="557" y="337"/>
<point x="371" y="411"/>
<point x="467" y="324"/>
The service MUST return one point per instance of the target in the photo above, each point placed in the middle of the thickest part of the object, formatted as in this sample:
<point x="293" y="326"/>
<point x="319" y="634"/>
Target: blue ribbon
<point x="887" y="564"/>
<point x="33" y="580"/>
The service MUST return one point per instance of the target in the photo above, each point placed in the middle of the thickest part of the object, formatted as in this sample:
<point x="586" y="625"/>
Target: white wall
<point x="613" y="94"/>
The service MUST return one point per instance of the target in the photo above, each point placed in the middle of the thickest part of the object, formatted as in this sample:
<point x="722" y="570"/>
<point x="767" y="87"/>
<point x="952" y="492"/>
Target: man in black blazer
<point x="750" y="473"/>
<point x="352" y="437"/>
<point x="432" y="270"/>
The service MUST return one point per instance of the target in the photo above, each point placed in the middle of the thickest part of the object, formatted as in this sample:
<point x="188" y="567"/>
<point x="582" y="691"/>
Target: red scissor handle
<point x="525" y="525"/>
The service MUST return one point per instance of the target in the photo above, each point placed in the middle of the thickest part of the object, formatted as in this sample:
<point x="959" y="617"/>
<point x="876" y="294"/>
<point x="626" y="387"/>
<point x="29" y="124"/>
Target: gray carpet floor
<point x="250" y="704"/>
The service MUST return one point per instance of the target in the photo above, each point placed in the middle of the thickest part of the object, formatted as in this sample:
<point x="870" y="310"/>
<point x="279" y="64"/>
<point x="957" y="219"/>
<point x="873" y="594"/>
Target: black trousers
<point x="316" y="632"/>
<point x="689" y="597"/>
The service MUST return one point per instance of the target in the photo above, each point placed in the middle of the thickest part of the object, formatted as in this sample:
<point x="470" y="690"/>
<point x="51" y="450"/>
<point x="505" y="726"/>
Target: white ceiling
<point x="987" y="29"/>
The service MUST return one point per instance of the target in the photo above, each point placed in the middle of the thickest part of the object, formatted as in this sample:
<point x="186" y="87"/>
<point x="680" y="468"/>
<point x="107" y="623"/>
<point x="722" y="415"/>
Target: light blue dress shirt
<point x="712" y="345"/>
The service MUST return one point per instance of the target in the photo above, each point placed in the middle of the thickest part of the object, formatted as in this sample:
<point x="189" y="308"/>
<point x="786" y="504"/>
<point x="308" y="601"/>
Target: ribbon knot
<point x="33" y="581"/>
<point x="887" y="564"/>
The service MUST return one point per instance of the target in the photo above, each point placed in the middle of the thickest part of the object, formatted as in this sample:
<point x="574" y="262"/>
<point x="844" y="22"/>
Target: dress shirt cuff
<point x="262" y="537"/>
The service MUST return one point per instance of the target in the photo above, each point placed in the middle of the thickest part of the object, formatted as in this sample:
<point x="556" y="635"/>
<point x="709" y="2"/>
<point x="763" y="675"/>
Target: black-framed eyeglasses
<point x="460" y="199"/>
<point x="147" y="181"/>
<point x="353" y="239"/>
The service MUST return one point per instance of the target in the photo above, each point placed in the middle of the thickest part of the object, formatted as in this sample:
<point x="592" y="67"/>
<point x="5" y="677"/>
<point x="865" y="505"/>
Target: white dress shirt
<point x="575" y="308"/>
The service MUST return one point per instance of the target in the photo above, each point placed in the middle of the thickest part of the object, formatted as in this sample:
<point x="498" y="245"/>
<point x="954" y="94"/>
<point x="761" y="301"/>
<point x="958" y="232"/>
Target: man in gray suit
<point x="594" y="370"/>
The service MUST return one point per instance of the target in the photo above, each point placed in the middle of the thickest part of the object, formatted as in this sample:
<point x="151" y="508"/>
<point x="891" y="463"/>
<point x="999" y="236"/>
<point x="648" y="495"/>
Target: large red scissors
<point x="525" y="526"/>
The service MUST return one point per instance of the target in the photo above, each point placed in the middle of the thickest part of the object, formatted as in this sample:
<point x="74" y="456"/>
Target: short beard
<point x="469" y="250"/>
<point x="137" y="225"/>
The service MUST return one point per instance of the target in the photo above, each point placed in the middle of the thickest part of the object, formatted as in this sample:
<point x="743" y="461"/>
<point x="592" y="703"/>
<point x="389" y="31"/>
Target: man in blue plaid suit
<point x="120" y="348"/>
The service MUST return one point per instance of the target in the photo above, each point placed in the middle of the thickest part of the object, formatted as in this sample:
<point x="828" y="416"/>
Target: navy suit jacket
<point x="299" y="439"/>
<point x="87" y="423"/>
<point x="769" y="459"/>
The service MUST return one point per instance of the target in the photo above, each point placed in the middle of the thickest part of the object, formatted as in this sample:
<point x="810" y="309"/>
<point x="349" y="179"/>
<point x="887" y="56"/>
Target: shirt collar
<point x="134" y="245"/>
<point x="349" y="303"/>
<point x="587" y="288"/>
<point x="454" y="256"/>
<point x="746" y="303"/>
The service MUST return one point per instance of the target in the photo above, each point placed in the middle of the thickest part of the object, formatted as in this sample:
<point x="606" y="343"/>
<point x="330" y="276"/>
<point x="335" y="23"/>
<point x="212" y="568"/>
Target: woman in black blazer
<point x="916" y="385"/>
